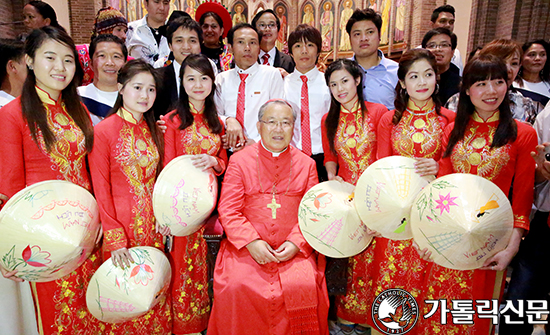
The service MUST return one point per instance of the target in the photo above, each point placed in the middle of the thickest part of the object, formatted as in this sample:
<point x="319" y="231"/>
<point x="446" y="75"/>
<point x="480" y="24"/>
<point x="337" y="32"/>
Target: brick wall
<point x="11" y="11"/>
<point x="82" y="14"/>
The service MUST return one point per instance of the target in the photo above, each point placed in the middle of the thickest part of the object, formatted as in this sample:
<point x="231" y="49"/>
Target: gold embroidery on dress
<point x="115" y="239"/>
<point x="355" y="148"/>
<point x="469" y="157"/>
<point x="138" y="156"/>
<point x="413" y="129"/>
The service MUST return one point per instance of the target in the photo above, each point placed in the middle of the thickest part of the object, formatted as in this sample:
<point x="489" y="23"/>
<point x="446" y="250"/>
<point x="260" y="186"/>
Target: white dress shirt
<point x="319" y="104"/>
<point x="272" y="53"/>
<point x="262" y="84"/>
<point x="141" y="43"/>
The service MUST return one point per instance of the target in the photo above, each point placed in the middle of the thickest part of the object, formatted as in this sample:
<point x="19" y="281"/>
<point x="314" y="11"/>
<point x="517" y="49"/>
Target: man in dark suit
<point x="268" y="24"/>
<point x="184" y="38"/>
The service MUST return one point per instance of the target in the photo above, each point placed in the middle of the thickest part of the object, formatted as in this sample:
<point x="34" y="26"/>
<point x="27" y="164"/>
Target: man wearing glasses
<point x="442" y="43"/>
<point x="268" y="24"/>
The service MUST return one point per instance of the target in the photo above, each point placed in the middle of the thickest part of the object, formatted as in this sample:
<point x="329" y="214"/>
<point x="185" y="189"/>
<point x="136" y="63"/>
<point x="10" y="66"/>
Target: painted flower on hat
<point x="142" y="273"/>
<point x="445" y="202"/>
<point x="322" y="200"/>
<point x="34" y="256"/>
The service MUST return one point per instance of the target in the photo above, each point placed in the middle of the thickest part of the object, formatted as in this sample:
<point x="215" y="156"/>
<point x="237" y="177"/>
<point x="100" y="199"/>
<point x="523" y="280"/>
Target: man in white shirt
<point x="444" y="17"/>
<point x="13" y="70"/>
<point x="243" y="90"/>
<point x="269" y="25"/>
<point x="143" y="39"/>
<point x="307" y="92"/>
<point x="108" y="55"/>
<point x="380" y="73"/>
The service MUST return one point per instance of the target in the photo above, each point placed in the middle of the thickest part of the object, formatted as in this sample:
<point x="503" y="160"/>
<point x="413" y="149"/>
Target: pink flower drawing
<point x="34" y="256"/>
<point x="142" y="273"/>
<point x="445" y="202"/>
<point x="322" y="200"/>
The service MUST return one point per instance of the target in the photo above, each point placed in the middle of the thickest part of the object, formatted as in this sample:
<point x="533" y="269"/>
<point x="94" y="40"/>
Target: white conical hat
<point x="463" y="219"/>
<point x="117" y="295"/>
<point x="385" y="193"/>
<point x="184" y="196"/>
<point x="48" y="230"/>
<point x="329" y="222"/>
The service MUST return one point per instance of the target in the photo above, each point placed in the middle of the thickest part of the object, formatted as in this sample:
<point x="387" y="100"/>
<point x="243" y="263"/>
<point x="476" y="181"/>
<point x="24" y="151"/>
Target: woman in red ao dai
<point x="484" y="140"/>
<point x="124" y="163"/>
<point x="194" y="128"/>
<point x="414" y="129"/>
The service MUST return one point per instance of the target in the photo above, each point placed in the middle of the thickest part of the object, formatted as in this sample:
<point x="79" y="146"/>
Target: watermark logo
<point x="395" y="311"/>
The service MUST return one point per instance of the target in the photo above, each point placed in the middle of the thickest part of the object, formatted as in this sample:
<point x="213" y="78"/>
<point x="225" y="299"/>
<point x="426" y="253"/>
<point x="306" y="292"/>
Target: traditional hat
<point x="218" y="8"/>
<point x="117" y="295"/>
<point x="107" y="19"/>
<point x="385" y="193"/>
<point x="48" y="230"/>
<point x="184" y="196"/>
<point x="463" y="219"/>
<point x="329" y="222"/>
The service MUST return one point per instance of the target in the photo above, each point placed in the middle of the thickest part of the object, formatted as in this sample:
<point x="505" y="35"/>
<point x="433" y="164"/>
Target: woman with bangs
<point x="484" y="140"/>
<point x="47" y="135"/>
<point x="414" y="129"/>
<point x="349" y="143"/>
<point x="194" y="128"/>
<point x="509" y="52"/>
<point x="124" y="164"/>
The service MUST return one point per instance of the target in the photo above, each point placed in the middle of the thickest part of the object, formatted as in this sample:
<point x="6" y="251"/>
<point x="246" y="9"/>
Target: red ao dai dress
<point x="190" y="300"/>
<point x="509" y="163"/>
<point x="61" y="304"/>
<point x="419" y="134"/>
<point x="123" y="165"/>
<point x="355" y="144"/>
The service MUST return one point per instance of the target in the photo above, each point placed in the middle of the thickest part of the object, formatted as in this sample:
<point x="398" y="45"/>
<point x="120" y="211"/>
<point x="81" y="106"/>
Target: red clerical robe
<point x="511" y="162"/>
<point x="190" y="300"/>
<point x="418" y="134"/>
<point x="61" y="304"/>
<point x="355" y="143"/>
<point x="123" y="165"/>
<point x="275" y="298"/>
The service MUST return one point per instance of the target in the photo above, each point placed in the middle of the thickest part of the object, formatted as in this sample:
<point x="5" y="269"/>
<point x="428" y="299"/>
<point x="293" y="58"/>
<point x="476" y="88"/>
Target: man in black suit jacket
<point x="184" y="38"/>
<point x="268" y="24"/>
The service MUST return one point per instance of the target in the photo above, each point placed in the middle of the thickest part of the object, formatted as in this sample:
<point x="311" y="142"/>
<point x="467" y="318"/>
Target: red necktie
<point x="304" y="114"/>
<point x="265" y="58"/>
<point x="240" y="99"/>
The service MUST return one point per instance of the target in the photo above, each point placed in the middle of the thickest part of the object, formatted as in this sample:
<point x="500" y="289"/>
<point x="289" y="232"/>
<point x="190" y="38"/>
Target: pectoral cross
<point x="273" y="206"/>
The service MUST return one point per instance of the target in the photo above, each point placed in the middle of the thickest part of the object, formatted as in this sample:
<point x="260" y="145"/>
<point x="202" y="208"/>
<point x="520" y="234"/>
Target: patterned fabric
<point x="265" y="59"/>
<point x="226" y="58"/>
<point x="304" y="117"/>
<point x="241" y="98"/>
<point x="190" y="300"/>
<point x="396" y="264"/>
<point x="523" y="108"/>
<point x="60" y="304"/>
<point x="511" y="162"/>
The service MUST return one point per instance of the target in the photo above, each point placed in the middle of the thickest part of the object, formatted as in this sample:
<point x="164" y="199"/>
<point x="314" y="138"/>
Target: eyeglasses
<point x="274" y="124"/>
<point x="434" y="46"/>
<point x="271" y="25"/>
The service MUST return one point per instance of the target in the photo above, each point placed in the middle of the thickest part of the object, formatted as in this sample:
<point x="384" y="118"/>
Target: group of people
<point x="164" y="89"/>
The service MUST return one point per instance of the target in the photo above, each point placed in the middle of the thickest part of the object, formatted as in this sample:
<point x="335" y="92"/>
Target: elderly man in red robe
<point x="267" y="279"/>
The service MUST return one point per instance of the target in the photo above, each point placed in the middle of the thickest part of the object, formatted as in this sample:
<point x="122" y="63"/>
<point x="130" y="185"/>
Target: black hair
<point x="439" y="31"/>
<point x="239" y="26"/>
<point x="545" y="73"/>
<point x="333" y="116"/>
<point x="364" y="15"/>
<point x="201" y="64"/>
<point x="186" y="23"/>
<point x="214" y="15"/>
<point x="107" y="38"/>
<point x="480" y="68"/>
<point x="47" y="12"/>
<point x="305" y="32"/>
<point x="31" y="105"/>
<point x="260" y="13"/>
<point x="10" y="49"/>
<point x="442" y="9"/>
<point x="401" y="96"/>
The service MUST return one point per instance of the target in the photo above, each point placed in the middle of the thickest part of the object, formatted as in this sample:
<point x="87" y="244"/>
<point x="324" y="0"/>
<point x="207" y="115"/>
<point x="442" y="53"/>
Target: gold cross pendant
<point x="273" y="206"/>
